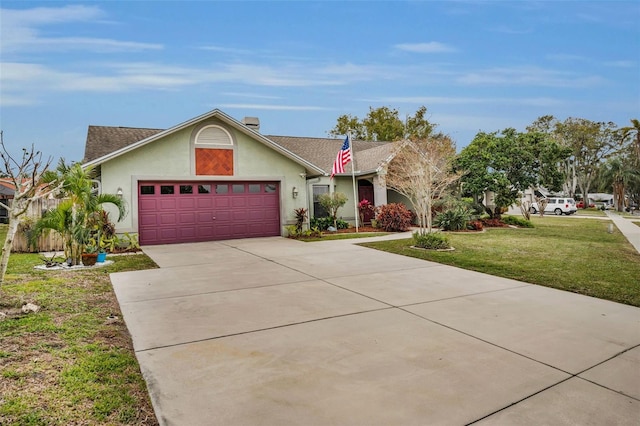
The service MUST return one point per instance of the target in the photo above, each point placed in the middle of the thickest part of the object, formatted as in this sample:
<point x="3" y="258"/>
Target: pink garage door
<point x="183" y="212"/>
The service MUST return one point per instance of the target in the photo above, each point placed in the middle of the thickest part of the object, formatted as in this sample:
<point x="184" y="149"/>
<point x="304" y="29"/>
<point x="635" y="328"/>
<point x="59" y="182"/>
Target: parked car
<point x="557" y="206"/>
<point x="580" y="205"/>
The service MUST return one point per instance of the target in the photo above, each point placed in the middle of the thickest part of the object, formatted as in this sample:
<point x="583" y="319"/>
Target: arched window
<point x="213" y="135"/>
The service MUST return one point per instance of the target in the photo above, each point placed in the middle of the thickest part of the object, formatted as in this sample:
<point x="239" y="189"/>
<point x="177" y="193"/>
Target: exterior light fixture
<point x="294" y="192"/>
<point x="119" y="192"/>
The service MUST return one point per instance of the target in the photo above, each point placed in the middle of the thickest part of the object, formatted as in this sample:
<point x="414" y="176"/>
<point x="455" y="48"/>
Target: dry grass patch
<point x="69" y="363"/>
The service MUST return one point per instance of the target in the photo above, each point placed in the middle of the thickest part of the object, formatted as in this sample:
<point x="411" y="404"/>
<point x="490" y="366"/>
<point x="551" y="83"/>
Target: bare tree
<point x="25" y="175"/>
<point x="421" y="171"/>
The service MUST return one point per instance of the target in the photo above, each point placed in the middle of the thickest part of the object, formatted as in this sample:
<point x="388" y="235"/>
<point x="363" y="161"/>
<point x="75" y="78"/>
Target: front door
<point x="365" y="192"/>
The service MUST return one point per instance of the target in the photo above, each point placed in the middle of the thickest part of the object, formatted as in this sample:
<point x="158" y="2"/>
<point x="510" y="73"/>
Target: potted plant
<point x="90" y="255"/>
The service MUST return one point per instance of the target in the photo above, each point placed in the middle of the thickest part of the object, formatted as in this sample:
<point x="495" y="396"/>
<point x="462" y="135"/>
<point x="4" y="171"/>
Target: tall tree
<point x="421" y="171"/>
<point x="632" y="134"/>
<point x="384" y="124"/>
<point x="591" y="143"/>
<point x="507" y="163"/>
<point x="26" y="176"/>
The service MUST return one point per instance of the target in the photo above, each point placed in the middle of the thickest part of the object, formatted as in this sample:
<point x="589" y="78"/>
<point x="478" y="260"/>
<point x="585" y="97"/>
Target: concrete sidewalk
<point x="630" y="230"/>
<point x="274" y="331"/>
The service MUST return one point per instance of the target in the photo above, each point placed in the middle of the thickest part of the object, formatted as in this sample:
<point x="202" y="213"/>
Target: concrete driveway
<point x="276" y="332"/>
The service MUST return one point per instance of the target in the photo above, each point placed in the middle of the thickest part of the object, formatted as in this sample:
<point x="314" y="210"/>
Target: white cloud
<point x="275" y="107"/>
<point x="429" y="47"/>
<point x="621" y="64"/>
<point x="529" y="76"/>
<point x="21" y="31"/>
<point x="222" y="49"/>
<point x="451" y="100"/>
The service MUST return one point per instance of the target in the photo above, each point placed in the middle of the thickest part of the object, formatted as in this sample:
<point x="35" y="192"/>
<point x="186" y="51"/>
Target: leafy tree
<point x="507" y="163"/>
<point x="384" y="124"/>
<point x="619" y="174"/>
<point x="421" y="171"/>
<point x="632" y="133"/>
<point x="71" y="218"/>
<point x="331" y="203"/>
<point x="590" y="144"/>
<point x="26" y="176"/>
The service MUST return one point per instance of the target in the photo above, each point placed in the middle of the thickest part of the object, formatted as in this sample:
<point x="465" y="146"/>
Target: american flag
<point x="343" y="157"/>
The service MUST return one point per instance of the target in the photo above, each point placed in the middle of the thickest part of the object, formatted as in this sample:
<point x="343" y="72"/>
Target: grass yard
<point x="590" y="212"/>
<point x="572" y="254"/>
<point x="68" y="363"/>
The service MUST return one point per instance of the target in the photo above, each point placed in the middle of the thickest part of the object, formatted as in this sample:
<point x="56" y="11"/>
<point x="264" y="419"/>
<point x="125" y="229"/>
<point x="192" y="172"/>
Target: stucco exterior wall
<point x="172" y="158"/>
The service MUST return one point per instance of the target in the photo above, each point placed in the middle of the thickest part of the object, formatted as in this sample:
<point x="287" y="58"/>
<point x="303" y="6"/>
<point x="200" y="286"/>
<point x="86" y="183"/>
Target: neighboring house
<point x="7" y="192"/>
<point x="214" y="177"/>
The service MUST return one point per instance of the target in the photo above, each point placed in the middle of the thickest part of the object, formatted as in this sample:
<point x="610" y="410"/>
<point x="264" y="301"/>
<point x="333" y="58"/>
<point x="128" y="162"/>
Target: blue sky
<point x="476" y="66"/>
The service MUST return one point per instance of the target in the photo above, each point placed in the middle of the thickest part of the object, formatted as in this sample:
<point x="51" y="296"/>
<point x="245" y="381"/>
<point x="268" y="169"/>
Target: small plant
<point x="323" y="223"/>
<point x="432" y="241"/>
<point x="292" y="231"/>
<point x="455" y="219"/>
<point x="301" y="216"/>
<point x="331" y="203"/>
<point x="475" y="225"/>
<point x="365" y="208"/>
<point x="517" y="221"/>
<point x="394" y="217"/>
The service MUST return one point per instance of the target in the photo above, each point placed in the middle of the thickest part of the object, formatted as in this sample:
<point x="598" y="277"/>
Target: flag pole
<point x="353" y="180"/>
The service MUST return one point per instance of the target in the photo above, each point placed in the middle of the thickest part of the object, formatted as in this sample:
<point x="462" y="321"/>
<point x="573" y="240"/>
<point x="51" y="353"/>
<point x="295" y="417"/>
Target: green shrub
<point x="432" y="241"/>
<point x="517" y="221"/>
<point x="455" y="219"/>
<point x="394" y="217"/>
<point x="323" y="223"/>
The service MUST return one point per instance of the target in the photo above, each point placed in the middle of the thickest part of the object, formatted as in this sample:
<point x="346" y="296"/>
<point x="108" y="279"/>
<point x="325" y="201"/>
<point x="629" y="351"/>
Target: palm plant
<point x="619" y="173"/>
<point x="72" y="218"/>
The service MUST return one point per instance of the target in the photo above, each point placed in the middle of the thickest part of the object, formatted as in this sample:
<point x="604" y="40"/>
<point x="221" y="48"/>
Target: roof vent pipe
<point x="252" y="122"/>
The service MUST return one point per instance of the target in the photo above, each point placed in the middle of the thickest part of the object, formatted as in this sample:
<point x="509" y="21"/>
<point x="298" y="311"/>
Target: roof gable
<point x="123" y="139"/>
<point x="315" y="154"/>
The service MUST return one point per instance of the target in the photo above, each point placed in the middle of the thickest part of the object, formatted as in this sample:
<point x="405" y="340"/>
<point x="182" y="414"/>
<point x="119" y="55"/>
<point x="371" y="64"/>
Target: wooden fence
<point x="49" y="241"/>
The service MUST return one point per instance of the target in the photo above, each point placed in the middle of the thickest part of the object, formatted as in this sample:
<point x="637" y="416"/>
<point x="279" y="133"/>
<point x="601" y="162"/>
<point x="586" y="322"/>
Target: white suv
<point x="557" y="206"/>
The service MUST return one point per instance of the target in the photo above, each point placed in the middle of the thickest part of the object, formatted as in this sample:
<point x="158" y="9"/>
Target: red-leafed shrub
<point x="394" y="217"/>
<point x="475" y="225"/>
<point x="493" y="223"/>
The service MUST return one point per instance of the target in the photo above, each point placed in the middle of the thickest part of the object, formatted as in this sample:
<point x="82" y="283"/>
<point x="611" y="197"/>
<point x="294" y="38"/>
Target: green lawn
<point x="591" y="212"/>
<point x="577" y="255"/>
<point x="68" y="363"/>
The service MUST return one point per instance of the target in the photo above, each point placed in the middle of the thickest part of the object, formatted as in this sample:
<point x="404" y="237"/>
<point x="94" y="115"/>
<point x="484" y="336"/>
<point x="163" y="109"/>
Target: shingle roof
<point x="321" y="152"/>
<point x="103" y="140"/>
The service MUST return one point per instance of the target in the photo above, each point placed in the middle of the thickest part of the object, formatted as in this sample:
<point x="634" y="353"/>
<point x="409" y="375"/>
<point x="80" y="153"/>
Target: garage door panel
<point x="240" y="209"/>
<point x="187" y="218"/>
<point x="205" y="202"/>
<point x="186" y="203"/>
<point x="188" y="233"/>
<point x="167" y="218"/>
<point x="147" y="204"/>
<point x="221" y="202"/>
<point x="238" y="202"/>
<point x="166" y="204"/>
